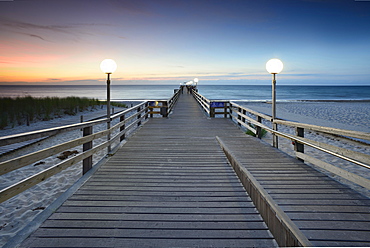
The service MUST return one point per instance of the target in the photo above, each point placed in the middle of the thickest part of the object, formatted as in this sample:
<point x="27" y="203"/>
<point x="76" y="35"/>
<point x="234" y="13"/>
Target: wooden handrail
<point x="329" y="130"/>
<point x="208" y="107"/>
<point x="238" y="114"/>
<point x="266" y="117"/>
<point x="165" y="106"/>
<point x="16" y="138"/>
<point x="138" y="114"/>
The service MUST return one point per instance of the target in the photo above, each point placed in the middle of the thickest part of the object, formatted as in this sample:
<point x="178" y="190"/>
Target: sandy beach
<point x="20" y="210"/>
<point x="349" y="115"/>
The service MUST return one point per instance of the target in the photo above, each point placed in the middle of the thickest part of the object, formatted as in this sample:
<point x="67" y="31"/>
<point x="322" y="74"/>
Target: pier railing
<point x="257" y="122"/>
<point x="212" y="107"/>
<point x="135" y="117"/>
<point x="164" y="107"/>
<point x="122" y="123"/>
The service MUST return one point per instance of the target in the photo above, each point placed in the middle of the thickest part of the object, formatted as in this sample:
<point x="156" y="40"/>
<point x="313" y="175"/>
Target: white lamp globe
<point x="274" y="66"/>
<point x="108" y="66"/>
<point x="196" y="80"/>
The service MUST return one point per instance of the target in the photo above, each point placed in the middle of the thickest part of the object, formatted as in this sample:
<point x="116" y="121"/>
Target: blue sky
<point x="171" y="41"/>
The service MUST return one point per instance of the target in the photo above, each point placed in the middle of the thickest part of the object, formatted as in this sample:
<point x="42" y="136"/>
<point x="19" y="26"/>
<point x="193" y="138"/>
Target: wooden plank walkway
<point x="170" y="185"/>
<point x="327" y="212"/>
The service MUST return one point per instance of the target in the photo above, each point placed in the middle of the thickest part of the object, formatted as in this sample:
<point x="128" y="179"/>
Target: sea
<point x="212" y="92"/>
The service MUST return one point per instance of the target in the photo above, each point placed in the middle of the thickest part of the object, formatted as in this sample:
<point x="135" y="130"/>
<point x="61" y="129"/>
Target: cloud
<point x="36" y="36"/>
<point x="48" y="32"/>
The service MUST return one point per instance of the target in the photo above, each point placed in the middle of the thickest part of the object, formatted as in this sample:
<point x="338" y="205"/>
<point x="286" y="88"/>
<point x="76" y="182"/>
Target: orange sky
<point x="63" y="42"/>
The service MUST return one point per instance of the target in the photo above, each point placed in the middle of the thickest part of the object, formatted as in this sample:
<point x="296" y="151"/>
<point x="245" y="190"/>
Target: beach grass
<point x="249" y="132"/>
<point x="118" y="104"/>
<point x="22" y="110"/>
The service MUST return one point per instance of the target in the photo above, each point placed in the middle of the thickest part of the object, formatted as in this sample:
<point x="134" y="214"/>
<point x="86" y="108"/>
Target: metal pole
<point x="274" y="125"/>
<point x="108" y="109"/>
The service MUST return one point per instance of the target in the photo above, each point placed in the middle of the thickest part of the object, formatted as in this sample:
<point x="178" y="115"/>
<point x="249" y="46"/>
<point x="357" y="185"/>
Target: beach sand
<point x="350" y="115"/>
<point x="17" y="212"/>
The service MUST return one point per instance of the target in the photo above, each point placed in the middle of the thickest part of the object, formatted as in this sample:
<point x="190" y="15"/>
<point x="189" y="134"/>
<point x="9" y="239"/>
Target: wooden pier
<point x="171" y="185"/>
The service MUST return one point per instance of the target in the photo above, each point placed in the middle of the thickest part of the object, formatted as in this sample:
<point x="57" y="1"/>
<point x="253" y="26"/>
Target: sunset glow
<point x="163" y="41"/>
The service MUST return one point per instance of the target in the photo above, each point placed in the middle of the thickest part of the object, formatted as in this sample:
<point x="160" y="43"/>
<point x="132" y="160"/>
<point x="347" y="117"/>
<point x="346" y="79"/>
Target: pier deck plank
<point x="327" y="212"/>
<point x="170" y="185"/>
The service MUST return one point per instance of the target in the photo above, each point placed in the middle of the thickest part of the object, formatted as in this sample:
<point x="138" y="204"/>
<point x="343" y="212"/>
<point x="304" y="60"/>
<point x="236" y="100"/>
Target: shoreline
<point x="309" y="100"/>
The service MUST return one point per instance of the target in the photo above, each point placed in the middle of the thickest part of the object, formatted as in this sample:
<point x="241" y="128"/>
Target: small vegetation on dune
<point x="249" y="132"/>
<point x="117" y="104"/>
<point x="17" y="111"/>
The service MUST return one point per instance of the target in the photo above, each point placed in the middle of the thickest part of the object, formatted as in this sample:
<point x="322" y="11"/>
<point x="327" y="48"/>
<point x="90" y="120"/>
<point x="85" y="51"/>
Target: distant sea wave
<point x="213" y="92"/>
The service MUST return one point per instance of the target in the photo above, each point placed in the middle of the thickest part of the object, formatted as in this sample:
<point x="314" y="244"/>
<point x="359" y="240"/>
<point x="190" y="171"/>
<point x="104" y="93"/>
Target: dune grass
<point x="20" y="110"/>
<point x="249" y="132"/>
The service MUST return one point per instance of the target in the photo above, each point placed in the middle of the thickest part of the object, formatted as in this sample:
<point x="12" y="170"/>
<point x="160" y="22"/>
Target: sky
<point x="320" y="42"/>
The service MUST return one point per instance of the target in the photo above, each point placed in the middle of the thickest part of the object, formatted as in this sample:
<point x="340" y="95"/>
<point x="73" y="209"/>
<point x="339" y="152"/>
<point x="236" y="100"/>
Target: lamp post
<point x="108" y="66"/>
<point x="274" y="66"/>
<point x="196" y="80"/>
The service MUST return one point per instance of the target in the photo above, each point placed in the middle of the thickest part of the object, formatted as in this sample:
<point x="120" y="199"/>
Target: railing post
<point x="147" y="110"/>
<point x="298" y="147"/>
<point x="258" y="128"/>
<point x="121" y="119"/>
<point x="226" y="106"/>
<point x="164" y="109"/>
<point x="151" y="104"/>
<point x="212" y="110"/>
<point x="87" y="162"/>
<point x="239" y="117"/>
<point x="139" y="116"/>
<point x="230" y="110"/>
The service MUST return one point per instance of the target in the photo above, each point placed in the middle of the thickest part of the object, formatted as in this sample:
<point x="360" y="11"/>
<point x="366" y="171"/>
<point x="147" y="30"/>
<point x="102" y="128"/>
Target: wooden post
<point x="230" y="110"/>
<point x="81" y="120"/>
<point x="239" y="117"/>
<point x="121" y="119"/>
<point x="212" y="111"/>
<point x="151" y="109"/>
<point x="244" y="112"/>
<point x="164" y="109"/>
<point x="258" y="128"/>
<point x="298" y="147"/>
<point x="139" y="116"/>
<point x="225" y="109"/>
<point x="87" y="162"/>
<point x="146" y="110"/>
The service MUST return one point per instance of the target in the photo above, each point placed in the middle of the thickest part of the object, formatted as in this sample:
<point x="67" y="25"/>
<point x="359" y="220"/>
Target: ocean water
<point x="213" y="92"/>
<point x="285" y="93"/>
